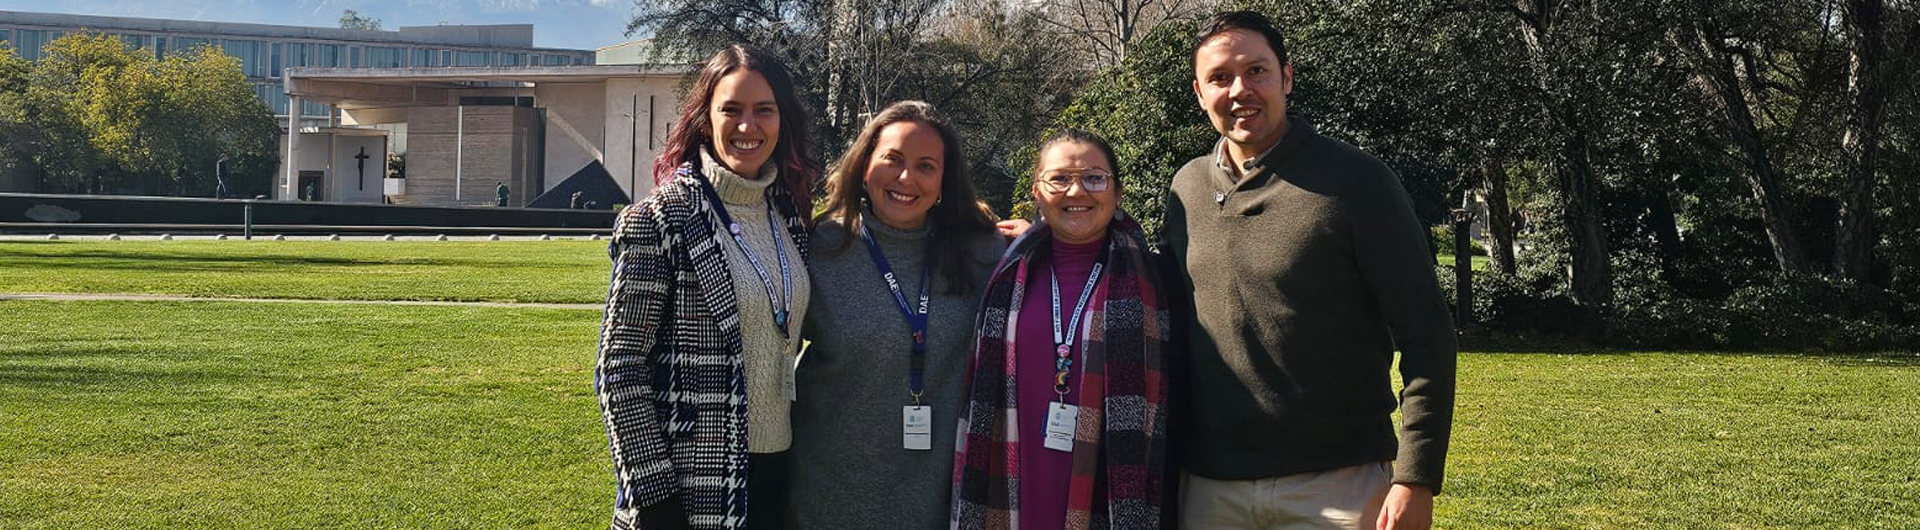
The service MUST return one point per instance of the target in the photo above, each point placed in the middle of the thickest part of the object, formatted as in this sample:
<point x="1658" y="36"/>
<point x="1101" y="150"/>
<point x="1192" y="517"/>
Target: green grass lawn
<point x="1480" y="263"/>
<point x="214" y="414"/>
<point x="260" y="415"/>
<point x="506" y="271"/>
<point x="1668" y="440"/>
<point x="236" y="415"/>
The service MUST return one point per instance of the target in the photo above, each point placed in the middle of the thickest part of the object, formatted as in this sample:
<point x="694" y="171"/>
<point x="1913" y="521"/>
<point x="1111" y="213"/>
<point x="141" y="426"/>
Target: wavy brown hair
<point x="953" y="221"/>
<point x="693" y="131"/>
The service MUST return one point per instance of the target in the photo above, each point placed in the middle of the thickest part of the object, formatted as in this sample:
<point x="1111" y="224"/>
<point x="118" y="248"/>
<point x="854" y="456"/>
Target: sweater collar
<point x="1298" y="131"/>
<point x="733" y="188"/>
<point x="884" y="234"/>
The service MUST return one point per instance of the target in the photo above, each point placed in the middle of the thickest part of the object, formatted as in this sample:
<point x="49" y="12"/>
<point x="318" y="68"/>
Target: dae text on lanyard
<point x="916" y="419"/>
<point x="1063" y="418"/>
<point x="779" y="302"/>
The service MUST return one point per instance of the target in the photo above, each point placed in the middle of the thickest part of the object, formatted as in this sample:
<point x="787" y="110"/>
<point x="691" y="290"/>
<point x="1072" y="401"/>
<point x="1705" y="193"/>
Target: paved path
<point x="177" y="298"/>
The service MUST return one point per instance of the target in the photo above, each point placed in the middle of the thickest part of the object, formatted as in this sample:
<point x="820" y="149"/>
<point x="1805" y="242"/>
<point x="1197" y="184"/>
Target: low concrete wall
<point x="92" y="209"/>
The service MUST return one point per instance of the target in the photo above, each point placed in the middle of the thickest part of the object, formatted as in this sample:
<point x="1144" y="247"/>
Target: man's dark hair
<point x="1242" y="20"/>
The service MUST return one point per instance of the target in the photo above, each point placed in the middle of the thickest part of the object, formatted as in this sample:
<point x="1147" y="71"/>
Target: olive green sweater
<point x="1304" y="275"/>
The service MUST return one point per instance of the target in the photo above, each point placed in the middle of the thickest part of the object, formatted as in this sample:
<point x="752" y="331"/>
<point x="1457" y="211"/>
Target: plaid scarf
<point x="1120" y="442"/>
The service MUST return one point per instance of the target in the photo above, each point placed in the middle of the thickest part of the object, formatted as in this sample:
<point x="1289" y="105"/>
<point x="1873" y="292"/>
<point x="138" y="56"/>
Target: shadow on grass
<point x="1882" y="359"/>
<point x="60" y="348"/>
<point x="1484" y="344"/>
<point x="32" y="376"/>
<point x="1887" y="360"/>
<point x="151" y="261"/>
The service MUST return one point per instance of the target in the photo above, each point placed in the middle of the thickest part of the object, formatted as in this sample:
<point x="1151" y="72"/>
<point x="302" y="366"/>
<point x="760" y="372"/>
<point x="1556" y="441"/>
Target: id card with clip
<point x="1061" y="420"/>
<point x="917" y="426"/>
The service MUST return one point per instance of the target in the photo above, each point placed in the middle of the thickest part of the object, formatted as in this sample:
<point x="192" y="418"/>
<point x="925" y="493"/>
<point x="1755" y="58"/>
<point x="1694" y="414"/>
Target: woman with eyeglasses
<point x="1066" y="417"/>
<point x="900" y="253"/>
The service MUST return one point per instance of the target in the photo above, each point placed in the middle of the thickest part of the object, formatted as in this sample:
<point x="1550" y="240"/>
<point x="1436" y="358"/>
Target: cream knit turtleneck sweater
<point x="768" y="358"/>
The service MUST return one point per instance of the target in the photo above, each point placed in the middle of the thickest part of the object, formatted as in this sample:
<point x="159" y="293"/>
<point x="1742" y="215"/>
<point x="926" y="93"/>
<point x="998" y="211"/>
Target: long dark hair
<point x="693" y="131"/>
<point x="952" y="223"/>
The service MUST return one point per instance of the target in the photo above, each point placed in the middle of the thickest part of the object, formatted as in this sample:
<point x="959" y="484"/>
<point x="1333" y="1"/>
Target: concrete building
<point x="471" y="106"/>
<point x="266" y="51"/>
<point x="467" y="130"/>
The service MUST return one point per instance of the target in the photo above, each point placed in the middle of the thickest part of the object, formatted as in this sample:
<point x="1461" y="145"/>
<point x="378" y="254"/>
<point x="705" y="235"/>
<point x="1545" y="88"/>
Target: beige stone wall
<point x="474" y="149"/>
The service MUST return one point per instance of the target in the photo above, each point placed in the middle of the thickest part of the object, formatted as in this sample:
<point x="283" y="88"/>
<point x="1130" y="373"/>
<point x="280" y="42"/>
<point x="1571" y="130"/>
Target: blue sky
<point x="582" y="24"/>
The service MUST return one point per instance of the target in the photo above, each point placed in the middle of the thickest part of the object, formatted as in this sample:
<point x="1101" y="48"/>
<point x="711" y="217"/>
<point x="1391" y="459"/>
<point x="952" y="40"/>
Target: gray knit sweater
<point x="849" y="468"/>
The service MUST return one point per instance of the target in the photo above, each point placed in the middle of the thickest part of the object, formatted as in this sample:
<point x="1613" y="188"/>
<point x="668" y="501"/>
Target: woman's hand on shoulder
<point x="1013" y="228"/>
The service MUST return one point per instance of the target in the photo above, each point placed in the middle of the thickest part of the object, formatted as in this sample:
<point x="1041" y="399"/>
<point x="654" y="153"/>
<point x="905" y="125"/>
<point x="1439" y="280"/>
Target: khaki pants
<point x="1348" y="498"/>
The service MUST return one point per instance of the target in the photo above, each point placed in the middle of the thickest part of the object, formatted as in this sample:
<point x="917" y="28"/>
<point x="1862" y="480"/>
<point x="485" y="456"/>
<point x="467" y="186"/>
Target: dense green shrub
<point x="1779" y="313"/>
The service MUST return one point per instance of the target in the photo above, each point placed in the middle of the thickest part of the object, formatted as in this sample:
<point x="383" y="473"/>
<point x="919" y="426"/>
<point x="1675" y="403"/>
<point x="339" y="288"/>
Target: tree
<point x="103" y="118"/>
<point x="1869" y="79"/>
<point x="999" y="76"/>
<point x="1146" y="111"/>
<point x="350" y="19"/>
<point x="15" y="135"/>
<point x="993" y="70"/>
<point x="1726" y="47"/>
<point x="1103" y="31"/>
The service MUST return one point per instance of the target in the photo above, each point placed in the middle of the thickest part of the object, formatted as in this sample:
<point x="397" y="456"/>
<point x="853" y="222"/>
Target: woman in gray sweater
<point x="898" y="259"/>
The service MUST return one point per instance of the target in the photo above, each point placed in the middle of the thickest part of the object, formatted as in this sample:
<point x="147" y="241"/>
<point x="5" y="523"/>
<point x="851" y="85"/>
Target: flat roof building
<point x="468" y="130"/>
<point x="266" y="51"/>
<point x="472" y="107"/>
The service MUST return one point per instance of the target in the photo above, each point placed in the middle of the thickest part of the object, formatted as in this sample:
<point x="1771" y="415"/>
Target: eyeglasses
<point x="1092" y="181"/>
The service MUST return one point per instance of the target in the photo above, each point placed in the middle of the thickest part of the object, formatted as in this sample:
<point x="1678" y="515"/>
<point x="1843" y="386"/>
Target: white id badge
<point x="791" y="385"/>
<point x="917" y="424"/>
<point x="1061" y="419"/>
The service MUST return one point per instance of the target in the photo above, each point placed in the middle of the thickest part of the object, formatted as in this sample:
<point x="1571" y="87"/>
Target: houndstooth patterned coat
<point x="669" y="376"/>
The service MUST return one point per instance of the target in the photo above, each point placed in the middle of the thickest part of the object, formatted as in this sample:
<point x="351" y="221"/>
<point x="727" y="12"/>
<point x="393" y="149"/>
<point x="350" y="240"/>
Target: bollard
<point x="1463" y="268"/>
<point x="247" y="220"/>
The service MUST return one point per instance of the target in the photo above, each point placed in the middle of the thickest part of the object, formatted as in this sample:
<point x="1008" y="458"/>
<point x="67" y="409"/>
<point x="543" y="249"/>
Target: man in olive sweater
<point x="1306" y="268"/>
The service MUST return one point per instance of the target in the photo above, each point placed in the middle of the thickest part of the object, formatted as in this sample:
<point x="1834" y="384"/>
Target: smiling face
<point x="1077" y="215"/>
<point x="1243" y="87"/>
<point x="903" y="173"/>
<point x="746" y="121"/>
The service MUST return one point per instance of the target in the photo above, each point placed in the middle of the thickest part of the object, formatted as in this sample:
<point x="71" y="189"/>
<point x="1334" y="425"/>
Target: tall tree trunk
<point x="1592" y="270"/>
<point x="1499" y="214"/>
<point x="1592" y="274"/>
<point x="1714" y="73"/>
<point x="1854" y="235"/>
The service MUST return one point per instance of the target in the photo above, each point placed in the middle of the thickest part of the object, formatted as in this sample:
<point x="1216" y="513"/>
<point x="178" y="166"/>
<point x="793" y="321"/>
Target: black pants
<point x="767" y="475"/>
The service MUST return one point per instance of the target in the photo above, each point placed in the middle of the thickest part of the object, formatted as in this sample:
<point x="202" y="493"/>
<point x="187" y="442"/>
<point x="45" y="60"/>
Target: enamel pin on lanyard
<point x="1062" y="418"/>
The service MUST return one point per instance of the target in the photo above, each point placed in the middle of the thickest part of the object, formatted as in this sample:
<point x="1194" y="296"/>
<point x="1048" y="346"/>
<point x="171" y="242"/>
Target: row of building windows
<point x="276" y="98"/>
<point x="263" y="59"/>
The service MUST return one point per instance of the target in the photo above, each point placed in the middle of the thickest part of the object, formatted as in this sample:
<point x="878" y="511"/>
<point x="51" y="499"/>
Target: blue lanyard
<point x="917" y="320"/>
<point x="779" y="302"/>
